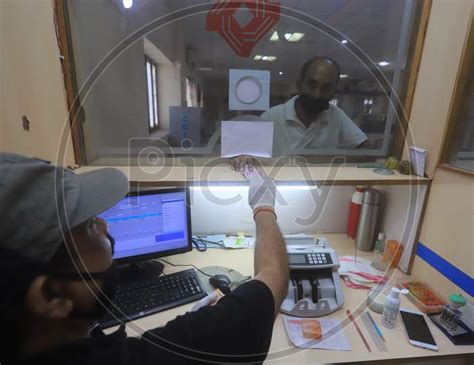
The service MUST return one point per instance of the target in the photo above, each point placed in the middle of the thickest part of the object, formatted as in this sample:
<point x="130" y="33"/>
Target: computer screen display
<point x="152" y="223"/>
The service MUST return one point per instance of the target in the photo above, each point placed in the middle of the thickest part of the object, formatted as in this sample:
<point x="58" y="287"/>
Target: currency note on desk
<point x="239" y="242"/>
<point x="333" y="338"/>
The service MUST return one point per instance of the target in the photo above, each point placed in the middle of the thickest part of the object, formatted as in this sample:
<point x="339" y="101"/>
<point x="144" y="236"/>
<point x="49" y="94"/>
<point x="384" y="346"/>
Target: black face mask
<point x="103" y="300"/>
<point x="312" y="106"/>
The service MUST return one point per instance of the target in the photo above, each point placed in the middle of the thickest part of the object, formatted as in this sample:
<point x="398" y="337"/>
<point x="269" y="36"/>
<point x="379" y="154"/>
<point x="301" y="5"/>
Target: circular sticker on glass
<point x="248" y="90"/>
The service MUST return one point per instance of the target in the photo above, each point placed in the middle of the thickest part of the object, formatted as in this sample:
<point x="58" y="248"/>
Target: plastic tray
<point x="431" y="309"/>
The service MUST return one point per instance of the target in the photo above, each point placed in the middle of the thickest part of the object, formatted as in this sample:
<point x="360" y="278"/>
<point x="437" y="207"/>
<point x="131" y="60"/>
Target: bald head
<point x="323" y="65"/>
<point x="319" y="77"/>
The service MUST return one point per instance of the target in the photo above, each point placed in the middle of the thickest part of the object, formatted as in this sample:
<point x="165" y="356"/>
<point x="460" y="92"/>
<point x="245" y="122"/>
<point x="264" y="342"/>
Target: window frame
<point x="154" y="95"/>
<point x="455" y="110"/>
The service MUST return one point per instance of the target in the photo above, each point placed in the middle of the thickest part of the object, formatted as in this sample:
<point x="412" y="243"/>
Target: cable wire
<point x="169" y="263"/>
<point x="201" y="243"/>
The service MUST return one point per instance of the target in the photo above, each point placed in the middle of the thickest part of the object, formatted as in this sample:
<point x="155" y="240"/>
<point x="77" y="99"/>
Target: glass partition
<point x="158" y="74"/>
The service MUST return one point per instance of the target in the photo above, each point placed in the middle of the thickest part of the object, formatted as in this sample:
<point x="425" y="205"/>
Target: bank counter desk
<point x="283" y="352"/>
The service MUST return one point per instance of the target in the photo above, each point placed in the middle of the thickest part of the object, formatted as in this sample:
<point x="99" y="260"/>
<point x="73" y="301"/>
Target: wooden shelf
<point x="223" y="175"/>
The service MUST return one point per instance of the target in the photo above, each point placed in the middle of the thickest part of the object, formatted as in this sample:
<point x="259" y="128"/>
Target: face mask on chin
<point x="312" y="106"/>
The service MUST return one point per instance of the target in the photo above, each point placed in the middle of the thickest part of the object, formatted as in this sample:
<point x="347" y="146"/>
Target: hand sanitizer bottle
<point x="391" y="307"/>
<point x="379" y="251"/>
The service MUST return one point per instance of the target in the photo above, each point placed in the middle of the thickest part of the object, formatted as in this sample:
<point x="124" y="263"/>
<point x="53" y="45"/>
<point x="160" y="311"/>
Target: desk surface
<point x="281" y="350"/>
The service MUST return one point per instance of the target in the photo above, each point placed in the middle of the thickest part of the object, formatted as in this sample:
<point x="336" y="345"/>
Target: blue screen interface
<point x="148" y="224"/>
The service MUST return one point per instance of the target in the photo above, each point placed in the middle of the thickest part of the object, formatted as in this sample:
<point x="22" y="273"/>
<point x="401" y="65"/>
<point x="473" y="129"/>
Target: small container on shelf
<point x="425" y="298"/>
<point x="451" y="313"/>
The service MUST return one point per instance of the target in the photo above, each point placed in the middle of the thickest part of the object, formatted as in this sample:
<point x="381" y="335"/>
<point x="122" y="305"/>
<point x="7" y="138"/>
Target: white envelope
<point x="246" y="138"/>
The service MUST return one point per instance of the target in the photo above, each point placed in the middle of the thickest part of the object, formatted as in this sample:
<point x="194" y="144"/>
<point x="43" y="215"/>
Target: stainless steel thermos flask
<point x="366" y="230"/>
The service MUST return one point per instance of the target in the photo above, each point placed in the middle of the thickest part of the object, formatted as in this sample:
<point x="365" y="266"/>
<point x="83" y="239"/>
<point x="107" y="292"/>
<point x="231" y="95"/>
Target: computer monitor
<point x="150" y="224"/>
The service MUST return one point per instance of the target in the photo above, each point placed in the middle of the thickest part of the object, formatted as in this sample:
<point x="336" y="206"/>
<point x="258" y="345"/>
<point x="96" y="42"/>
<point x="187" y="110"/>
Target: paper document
<point x="359" y="273"/>
<point x="333" y="337"/>
<point x="239" y="242"/>
<point x="247" y="138"/>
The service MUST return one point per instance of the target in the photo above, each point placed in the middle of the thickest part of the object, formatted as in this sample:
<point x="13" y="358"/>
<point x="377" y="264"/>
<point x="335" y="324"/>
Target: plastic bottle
<point x="379" y="249"/>
<point x="393" y="253"/>
<point x="391" y="307"/>
<point x="354" y="211"/>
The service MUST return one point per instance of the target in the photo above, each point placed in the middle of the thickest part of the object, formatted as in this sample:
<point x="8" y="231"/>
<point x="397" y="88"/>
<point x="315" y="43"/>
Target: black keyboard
<point x="153" y="295"/>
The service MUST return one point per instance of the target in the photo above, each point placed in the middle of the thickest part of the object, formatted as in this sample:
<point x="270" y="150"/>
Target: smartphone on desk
<point x="417" y="329"/>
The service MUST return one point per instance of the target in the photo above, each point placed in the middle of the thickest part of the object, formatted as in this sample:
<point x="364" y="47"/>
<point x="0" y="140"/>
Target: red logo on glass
<point x="264" y="15"/>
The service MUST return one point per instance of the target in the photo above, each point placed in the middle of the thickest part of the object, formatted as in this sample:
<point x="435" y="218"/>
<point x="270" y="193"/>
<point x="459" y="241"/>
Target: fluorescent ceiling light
<point x="275" y="37"/>
<point x="244" y="188"/>
<point x="205" y="68"/>
<point x="344" y="76"/>
<point x="344" y="41"/>
<point x="224" y="188"/>
<point x="264" y="58"/>
<point x="384" y="63"/>
<point x="294" y="37"/>
<point x="127" y="4"/>
<point x="296" y="187"/>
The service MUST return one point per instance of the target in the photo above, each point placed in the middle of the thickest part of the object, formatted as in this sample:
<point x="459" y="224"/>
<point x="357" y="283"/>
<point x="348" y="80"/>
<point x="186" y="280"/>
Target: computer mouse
<point x="220" y="282"/>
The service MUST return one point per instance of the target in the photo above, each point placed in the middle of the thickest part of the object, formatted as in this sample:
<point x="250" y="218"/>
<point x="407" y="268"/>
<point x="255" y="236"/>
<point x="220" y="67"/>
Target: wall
<point x="31" y="81"/>
<point x="439" y="64"/>
<point x="2" y="76"/>
<point x="447" y="227"/>
<point x="229" y="206"/>
<point x="322" y="210"/>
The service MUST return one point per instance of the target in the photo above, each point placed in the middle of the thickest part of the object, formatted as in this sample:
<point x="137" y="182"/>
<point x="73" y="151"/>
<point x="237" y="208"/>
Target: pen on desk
<point x="358" y="329"/>
<point x="375" y="326"/>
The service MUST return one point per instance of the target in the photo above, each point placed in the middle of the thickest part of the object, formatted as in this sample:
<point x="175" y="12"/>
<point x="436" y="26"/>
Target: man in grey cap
<point x="41" y="207"/>
<point x="57" y="276"/>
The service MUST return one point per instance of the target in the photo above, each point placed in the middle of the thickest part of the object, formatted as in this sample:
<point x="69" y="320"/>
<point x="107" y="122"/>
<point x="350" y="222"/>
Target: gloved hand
<point x="209" y="300"/>
<point x="262" y="189"/>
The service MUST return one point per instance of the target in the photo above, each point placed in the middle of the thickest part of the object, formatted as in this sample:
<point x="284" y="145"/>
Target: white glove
<point x="210" y="299"/>
<point x="262" y="189"/>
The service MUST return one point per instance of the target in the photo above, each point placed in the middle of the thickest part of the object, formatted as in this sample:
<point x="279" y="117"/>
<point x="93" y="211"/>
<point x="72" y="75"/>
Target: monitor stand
<point x="136" y="272"/>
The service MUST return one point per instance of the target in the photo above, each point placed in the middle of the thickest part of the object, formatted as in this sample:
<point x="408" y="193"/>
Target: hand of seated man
<point x="238" y="163"/>
<point x="262" y="189"/>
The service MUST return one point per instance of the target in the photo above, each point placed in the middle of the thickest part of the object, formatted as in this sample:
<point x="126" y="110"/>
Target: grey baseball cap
<point x="40" y="201"/>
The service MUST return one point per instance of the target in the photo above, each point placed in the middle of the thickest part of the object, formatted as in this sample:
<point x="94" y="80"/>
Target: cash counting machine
<point x="314" y="288"/>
